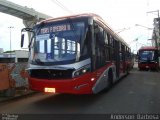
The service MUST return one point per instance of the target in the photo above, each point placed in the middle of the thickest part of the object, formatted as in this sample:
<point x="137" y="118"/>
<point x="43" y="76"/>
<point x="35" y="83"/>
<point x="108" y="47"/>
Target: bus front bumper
<point x="81" y="85"/>
<point x="153" y="65"/>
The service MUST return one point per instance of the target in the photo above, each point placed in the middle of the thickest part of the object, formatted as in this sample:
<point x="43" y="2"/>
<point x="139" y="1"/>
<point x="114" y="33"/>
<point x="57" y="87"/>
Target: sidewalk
<point x="19" y="94"/>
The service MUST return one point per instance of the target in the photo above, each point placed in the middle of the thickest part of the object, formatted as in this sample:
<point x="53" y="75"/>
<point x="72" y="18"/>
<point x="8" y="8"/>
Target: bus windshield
<point x="146" y="55"/>
<point x="58" y="43"/>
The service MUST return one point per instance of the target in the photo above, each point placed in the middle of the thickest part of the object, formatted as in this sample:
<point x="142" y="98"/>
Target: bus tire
<point x="110" y="82"/>
<point x="128" y="69"/>
<point x="157" y="69"/>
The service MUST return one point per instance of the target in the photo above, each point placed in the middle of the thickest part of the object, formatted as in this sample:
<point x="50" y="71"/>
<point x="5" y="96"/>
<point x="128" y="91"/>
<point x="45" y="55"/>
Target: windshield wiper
<point x="38" y="61"/>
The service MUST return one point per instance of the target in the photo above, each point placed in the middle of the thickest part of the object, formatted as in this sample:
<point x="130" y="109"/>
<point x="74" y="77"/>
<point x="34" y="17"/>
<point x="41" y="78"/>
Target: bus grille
<point x="51" y="74"/>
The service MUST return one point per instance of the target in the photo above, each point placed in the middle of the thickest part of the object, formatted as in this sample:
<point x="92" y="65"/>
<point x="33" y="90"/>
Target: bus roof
<point x="148" y="48"/>
<point x="92" y="15"/>
<point x="71" y="16"/>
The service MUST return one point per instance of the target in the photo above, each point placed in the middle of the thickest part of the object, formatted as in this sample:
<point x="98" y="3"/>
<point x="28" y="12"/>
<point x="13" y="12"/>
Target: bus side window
<point x="158" y="53"/>
<point x="107" y="53"/>
<point x="120" y="56"/>
<point x="105" y="38"/>
<point x="111" y="41"/>
<point x="99" y="46"/>
<point x="101" y="37"/>
<point x="99" y="34"/>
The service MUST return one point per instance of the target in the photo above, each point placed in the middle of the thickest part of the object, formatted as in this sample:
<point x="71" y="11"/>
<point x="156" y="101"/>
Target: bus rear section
<point x="148" y="58"/>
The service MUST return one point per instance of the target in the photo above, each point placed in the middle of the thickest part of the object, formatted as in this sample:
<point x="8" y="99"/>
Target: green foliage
<point x="9" y="51"/>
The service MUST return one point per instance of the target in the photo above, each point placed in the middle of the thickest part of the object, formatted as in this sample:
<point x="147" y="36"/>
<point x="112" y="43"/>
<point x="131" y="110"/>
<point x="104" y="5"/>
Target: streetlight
<point x="156" y="43"/>
<point x="10" y="27"/>
<point x="121" y="30"/>
<point x="144" y="26"/>
<point x="154" y="12"/>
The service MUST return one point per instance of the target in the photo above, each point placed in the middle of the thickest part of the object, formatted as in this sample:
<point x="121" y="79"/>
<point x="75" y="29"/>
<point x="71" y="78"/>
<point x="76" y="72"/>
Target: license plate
<point x="147" y="66"/>
<point x="50" y="90"/>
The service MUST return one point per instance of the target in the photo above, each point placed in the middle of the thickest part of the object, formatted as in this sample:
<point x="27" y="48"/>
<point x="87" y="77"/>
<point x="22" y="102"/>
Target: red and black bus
<point x="77" y="54"/>
<point x="148" y="58"/>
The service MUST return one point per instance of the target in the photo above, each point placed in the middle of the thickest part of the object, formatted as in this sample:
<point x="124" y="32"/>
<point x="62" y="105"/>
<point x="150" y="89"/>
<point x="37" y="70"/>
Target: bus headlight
<point x="82" y="71"/>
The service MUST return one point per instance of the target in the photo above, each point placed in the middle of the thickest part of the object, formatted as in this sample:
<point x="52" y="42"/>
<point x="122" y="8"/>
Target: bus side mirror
<point x="22" y="40"/>
<point x="25" y="37"/>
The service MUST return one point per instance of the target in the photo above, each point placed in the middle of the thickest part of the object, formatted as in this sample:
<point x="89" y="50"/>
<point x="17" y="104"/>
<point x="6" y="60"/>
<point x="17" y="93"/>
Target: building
<point x="14" y="57"/>
<point x="1" y="50"/>
<point x="156" y="33"/>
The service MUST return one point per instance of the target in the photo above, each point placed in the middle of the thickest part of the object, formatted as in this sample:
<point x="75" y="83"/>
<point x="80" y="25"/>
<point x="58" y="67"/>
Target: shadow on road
<point x="67" y="100"/>
<point x="67" y="103"/>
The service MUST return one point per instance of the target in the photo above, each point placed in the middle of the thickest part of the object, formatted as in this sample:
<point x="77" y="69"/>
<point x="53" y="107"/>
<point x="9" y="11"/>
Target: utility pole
<point x="10" y="27"/>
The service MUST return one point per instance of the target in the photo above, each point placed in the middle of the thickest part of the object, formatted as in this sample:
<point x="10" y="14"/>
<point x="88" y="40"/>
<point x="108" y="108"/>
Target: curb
<point x="7" y="99"/>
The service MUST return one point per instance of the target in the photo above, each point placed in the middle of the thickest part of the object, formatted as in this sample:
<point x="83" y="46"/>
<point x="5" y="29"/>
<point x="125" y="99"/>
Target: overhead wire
<point x="62" y="6"/>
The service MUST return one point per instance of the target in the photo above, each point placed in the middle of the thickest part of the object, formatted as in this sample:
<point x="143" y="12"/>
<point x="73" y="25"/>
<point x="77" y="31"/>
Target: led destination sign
<point x="57" y="28"/>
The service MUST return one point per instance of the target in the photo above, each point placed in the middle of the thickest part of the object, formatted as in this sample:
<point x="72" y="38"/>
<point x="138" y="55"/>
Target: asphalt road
<point x="139" y="92"/>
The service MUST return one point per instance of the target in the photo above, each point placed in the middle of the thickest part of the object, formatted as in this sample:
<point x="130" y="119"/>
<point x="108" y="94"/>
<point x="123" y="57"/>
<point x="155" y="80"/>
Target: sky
<point x="121" y="15"/>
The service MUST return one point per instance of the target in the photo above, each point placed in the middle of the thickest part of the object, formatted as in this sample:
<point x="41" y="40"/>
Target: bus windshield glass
<point x="146" y="55"/>
<point x="58" y="42"/>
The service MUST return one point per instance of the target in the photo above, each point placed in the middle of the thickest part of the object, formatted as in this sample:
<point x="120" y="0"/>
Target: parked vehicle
<point x="148" y="58"/>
